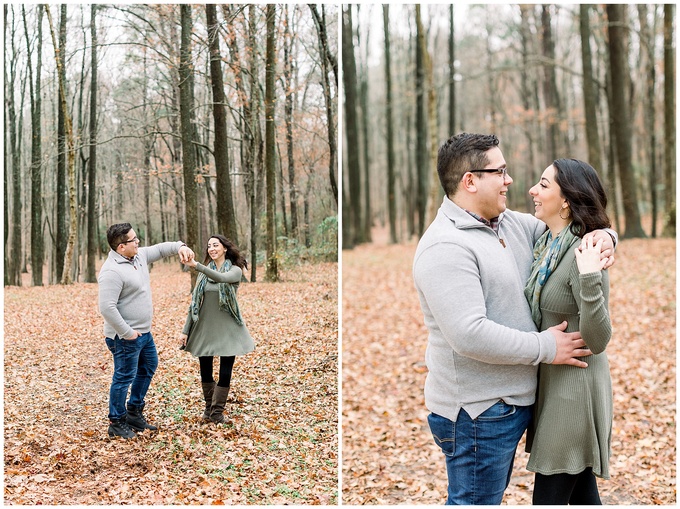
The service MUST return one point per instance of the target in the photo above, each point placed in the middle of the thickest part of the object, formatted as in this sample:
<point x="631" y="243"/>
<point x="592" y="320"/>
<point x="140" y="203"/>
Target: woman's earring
<point x="560" y="214"/>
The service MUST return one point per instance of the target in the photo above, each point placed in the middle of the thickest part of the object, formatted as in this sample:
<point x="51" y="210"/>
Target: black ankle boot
<point x="120" y="428"/>
<point x="136" y="420"/>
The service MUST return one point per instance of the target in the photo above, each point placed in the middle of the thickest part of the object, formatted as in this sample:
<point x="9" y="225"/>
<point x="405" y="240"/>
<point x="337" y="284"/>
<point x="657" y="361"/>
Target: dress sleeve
<point x="591" y="292"/>
<point x="233" y="275"/>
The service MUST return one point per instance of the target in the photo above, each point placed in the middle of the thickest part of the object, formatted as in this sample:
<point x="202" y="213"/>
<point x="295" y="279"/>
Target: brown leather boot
<point x="208" y="389"/>
<point x="219" y="401"/>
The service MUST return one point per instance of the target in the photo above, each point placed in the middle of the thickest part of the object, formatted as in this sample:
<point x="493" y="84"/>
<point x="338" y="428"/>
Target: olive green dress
<point x="573" y="413"/>
<point x="216" y="333"/>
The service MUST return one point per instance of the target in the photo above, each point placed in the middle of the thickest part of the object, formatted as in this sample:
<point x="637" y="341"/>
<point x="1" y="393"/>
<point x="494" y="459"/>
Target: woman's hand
<point x="191" y="262"/>
<point x="183" y="340"/>
<point x="589" y="258"/>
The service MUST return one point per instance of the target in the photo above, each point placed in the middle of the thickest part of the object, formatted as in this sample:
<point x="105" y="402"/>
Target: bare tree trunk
<point x="391" y="197"/>
<point x="68" y="258"/>
<point x="90" y="274"/>
<point x="62" y="226"/>
<point x="226" y="221"/>
<point x="37" y="243"/>
<point x="422" y="156"/>
<point x="328" y="59"/>
<point x="669" y="119"/>
<point x="647" y="50"/>
<point x="255" y="150"/>
<point x="452" y="75"/>
<point x="365" y="108"/>
<point x="287" y="76"/>
<point x="620" y="73"/>
<point x="549" y="84"/>
<point x="352" y="214"/>
<point x="272" y="273"/>
<point x="186" y="93"/>
<point x="589" y="95"/>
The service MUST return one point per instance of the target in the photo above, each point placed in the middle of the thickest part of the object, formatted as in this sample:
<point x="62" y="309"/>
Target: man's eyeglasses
<point x="503" y="172"/>
<point x="131" y="240"/>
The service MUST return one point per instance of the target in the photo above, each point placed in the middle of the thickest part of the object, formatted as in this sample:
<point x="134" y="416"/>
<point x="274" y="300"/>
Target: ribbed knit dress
<point x="572" y="424"/>
<point x="216" y="333"/>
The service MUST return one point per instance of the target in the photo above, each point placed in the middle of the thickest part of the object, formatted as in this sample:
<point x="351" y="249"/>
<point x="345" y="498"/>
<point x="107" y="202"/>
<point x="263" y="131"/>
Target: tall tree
<point x="327" y="58"/>
<point x="452" y="75"/>
<point x="549" y="83"/>
<point x="37" y="244"/>
<point x="61" y="240"/>
<point x="256" y="149"/>
<point x="620" y="70"/>
<point x="589" y="93"/>
<point x="391" y="197"/>
<point x="288" y="80"/>
<point x="272" y="272"/>
<point x="647" y="51"/>
<point x="226" y="221"/>
<point x="70" y="148"/>
<point x="186" y="103"/>
<point x="365" y="109"/>
<point x="353" y="212"/>
<point x="5" y="153"/>
<point x="422" y="154"/>
<point x="90" y="274"/>
<point x="669" y="119"/>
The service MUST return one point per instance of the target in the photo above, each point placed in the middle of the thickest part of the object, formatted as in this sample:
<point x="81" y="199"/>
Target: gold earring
<point x="560" y="214"/>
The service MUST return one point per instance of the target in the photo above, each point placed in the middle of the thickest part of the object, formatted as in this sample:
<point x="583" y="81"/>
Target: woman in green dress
<point x="214" y="326"/>
<point x="569" y="439"/>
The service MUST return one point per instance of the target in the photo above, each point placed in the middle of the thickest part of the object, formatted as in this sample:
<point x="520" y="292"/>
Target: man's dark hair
<point x="583" y="190"/>
<point x="117" y="234"/>
<point x="462" y="153"/>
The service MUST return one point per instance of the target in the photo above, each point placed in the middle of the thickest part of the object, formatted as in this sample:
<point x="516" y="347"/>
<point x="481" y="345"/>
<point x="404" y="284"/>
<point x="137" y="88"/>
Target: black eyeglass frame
<point x="500" y="171"/>
<point x="135" y="239"/>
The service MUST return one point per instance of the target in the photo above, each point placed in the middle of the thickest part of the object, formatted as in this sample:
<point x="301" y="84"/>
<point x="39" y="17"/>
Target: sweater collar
<point x="462" y="218"/>
<point x="119" y="258"/>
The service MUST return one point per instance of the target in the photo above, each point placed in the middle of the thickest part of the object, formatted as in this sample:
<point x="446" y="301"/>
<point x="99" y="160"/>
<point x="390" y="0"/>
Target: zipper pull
<point x="502" y="242"/>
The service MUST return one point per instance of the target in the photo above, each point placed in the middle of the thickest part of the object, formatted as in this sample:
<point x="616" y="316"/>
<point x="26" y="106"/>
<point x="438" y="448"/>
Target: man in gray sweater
<point x="125" y="303"/>
<point x="483" y="349"/>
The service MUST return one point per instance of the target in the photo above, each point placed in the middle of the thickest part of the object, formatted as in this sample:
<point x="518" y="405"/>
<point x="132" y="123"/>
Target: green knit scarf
<point x="227" y="294"/>
<point x="547" y="255"/>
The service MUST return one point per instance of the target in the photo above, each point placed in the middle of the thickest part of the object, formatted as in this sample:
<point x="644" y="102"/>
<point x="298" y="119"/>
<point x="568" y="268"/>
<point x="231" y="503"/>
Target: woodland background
<point x="593" y="82"/>
<point x="182" y="120"/>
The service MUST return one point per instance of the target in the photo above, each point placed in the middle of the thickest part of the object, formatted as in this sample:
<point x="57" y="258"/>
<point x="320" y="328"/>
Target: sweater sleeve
<point x="448" y="279"/>
<point x="162" y="250"/>
<point x="188" y="323"/>
<point x="591" y="292"/>
<point x="110" y="287"/>
<point x="233" y="275"/>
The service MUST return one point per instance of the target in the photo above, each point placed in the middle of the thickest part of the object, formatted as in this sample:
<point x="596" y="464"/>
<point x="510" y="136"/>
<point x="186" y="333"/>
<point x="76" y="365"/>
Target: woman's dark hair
<point x="582" y="189"/>
<point x="232" y="252"/>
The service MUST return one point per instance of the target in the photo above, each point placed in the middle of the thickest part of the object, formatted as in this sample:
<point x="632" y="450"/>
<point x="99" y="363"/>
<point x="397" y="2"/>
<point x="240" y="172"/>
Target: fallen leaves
<point x="388" y="456"/>
<point x="280" y="446"/>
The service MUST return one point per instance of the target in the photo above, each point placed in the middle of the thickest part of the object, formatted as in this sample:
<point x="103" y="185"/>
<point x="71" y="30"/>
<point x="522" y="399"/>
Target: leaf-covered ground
<point x="388" y="456"/>
<point x="281" y="446"/>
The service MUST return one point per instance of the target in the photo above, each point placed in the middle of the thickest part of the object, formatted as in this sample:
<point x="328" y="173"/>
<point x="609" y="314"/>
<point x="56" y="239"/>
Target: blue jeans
<point x="134" y="363"/>
<point x="480" y="453"/>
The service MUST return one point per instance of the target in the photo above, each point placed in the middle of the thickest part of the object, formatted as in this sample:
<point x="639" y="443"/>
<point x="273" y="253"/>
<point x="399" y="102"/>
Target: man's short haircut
<point x="462" y="153"/>
<point x="117" y="234"/>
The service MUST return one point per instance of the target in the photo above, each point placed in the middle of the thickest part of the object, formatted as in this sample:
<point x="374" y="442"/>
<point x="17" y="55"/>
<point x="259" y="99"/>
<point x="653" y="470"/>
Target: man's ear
<point x="468" y="183"/>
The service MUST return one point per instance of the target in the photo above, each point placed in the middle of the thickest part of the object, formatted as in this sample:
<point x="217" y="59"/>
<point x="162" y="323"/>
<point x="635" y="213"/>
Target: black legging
<point x="563" y="489"/>
<point x="226" y="365"/>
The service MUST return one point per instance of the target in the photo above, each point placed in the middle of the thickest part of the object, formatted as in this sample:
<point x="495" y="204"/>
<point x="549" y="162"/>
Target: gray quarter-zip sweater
<point x="125" y="290"/>
<point x="483" y="345"/>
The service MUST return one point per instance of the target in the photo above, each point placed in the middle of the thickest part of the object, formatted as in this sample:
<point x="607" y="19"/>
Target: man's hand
<point x="607" y="251"/>
<point x="185" y="254"/>
<point x="137" y="334"/>
<point x="569" y="346"/>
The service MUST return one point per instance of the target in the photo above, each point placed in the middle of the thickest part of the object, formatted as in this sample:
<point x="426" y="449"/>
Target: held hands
<point x="607" y="249"/>
<point x="187" y="256"/>
<point x="570" y="345"/>
<point x="589" y="258"/>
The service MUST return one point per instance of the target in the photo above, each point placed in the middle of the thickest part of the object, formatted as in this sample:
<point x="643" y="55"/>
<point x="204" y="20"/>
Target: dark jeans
<point x="134" y="364"/>
<point x="563" y="489"/>
<point x="480" y="453"/>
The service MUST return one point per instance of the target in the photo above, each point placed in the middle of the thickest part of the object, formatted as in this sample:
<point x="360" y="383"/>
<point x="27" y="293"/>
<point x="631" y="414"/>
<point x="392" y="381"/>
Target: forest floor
<point x="388" y="455"/>
<point x="279" y="447"/>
